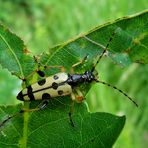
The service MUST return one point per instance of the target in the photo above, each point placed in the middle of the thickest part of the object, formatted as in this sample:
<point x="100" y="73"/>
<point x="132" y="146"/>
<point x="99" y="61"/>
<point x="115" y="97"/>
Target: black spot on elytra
<point x="46" y="96"/>
<point x="30" y="93"/>
<point x="60" y="92"/>
<point x="41" y="73"/>
<point x="54" y="85"/>
<point x="42" y="82"/>
<point x="20" y="96"/>
<point x="55" y="77"/>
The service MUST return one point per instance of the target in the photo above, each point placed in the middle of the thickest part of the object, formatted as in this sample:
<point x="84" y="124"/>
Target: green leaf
<point x="129" y="43"/>
<point x="13" y="54"/>
<point x="51" y="127"/>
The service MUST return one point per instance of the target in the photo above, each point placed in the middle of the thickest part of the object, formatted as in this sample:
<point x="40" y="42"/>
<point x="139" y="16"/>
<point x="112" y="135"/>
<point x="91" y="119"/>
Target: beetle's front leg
<point x="78" y="63"/>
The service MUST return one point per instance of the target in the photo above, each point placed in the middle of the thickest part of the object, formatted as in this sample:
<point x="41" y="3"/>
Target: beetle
<point x="63" y="84"/>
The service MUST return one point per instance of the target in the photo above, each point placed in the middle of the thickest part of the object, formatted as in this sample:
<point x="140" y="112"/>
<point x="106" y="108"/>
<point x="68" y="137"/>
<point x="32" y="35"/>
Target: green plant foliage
<point x="129" y="33"/>
<point x="128" y="44"/>
<point x="13" y="54"/>
<point x="51" y="127"/>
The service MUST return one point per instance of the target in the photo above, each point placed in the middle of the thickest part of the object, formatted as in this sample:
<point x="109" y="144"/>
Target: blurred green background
<point x="42" y="24"/>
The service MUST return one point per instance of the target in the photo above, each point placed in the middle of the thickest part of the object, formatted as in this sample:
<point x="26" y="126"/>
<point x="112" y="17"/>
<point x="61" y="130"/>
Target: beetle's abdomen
<point x="53" y="86"/>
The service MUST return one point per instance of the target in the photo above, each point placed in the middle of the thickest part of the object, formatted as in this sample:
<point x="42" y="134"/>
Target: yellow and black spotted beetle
<point x="62" y="84"/>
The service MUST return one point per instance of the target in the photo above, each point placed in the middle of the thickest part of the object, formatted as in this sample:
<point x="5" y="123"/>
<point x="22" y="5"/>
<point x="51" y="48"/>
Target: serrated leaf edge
<point x="17" y="60"/>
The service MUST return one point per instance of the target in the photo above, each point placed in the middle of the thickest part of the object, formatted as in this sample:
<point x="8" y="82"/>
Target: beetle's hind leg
<point x="41" y="106"/>
<point x="62" y="68"/>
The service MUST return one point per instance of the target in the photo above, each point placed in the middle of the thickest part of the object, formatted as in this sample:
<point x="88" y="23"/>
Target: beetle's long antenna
<point x="9" y="118"/>
<point x="104" y="51"/>
<point x="114" y="87"/>
<point x="100" y="45"/>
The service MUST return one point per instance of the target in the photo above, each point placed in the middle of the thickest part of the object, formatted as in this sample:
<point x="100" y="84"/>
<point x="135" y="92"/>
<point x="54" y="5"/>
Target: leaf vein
<point x="17" y="60"/>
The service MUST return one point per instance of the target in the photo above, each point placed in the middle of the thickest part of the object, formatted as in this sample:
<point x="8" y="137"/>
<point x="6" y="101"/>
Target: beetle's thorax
<point x="76" y="79"/>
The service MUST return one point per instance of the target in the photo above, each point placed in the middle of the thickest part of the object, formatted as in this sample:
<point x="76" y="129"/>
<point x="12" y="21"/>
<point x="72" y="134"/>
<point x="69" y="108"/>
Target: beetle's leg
<point x="39" y="72"/>
<point x="70" y="113"/>
<point x="80" y="96"/>
<point x="77" y="96"/>
<point x="78" y="63"/>
<point x="40" y="107"/>
<point x="62" y="68"/>
<point x="74" y="98"/>
<point x="42" y="74"/>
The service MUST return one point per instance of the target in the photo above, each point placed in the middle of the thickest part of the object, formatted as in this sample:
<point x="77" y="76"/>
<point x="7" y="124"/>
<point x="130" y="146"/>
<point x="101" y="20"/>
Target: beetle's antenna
<point x="9" y="118"/>
<point x="100" y="45"/>
<point x="104" y="51"/>
<point x="114" y="87"/>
